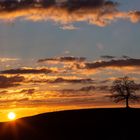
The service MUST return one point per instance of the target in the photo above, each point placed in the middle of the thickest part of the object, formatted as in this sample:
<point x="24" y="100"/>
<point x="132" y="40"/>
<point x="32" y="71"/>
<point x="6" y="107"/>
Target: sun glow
<point x="11" y="116"/>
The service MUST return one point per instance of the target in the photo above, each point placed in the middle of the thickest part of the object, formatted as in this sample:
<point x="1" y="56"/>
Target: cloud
<point x="63" y="59"/>
<point x="103" y="88"/>
<point x="75" y="81"/>
<point x="68" y="4"/>
<point x="69" y="27"/>
<point x="27" y="71"/>
<point x="126" y="57"/>
<point x="6" y="82"/>
<point x="114" y="57"/>
<point x="86" y="89"/>
<point x="14" y="100"/>
<point x="6" y="59"/>
<point x="95" y="12"/>
<point x="28" y="91"/>
<point x="3" y="92"/>
<point x="104" y="81"/>
<point x="82" y="89"/>
<point x="134" y="16"/>
<point x="63" y="15"/>
<point x="107" y="57"/>
<point x="112" y="63"/>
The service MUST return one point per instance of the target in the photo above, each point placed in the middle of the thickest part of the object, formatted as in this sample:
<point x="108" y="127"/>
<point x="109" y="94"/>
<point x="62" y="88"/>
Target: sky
<point x="65" y="55"/>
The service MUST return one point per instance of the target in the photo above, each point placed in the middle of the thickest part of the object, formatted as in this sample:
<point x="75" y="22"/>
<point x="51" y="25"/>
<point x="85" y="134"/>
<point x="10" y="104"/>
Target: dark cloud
<point x="28" y="91"/>
<point x="11" y="5"/>
<point x="76" y="4"/>
<point x="113" y="63"/>
<point x="60" y="80"/>
<point x="27" y="71"/>
<point x="69" y="4"/>
<point x="114" y="57"/>
<point x="126" y="57"/>
<point x="74" y="81"/>
<point x="6" y="82"/>
<point x="63" y="59"/>
<point x="107" y="57"/>
<point x="96" y="12"/>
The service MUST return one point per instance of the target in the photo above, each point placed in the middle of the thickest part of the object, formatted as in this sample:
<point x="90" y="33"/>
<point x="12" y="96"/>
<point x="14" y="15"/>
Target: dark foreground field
<point x="89" y="124"/>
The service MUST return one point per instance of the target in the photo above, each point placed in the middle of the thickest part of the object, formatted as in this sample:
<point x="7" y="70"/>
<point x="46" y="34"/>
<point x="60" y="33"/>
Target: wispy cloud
<point x="6" y="59"/>
<point x="62" y="59"/>
<point x="69" y="27"/>
<point x="27" y="71"/>
<point x="83" y="91"/>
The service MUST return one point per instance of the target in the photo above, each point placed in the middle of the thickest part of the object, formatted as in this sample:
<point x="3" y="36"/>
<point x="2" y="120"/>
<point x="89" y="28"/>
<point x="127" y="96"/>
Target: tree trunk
<point x="127" y="102"/>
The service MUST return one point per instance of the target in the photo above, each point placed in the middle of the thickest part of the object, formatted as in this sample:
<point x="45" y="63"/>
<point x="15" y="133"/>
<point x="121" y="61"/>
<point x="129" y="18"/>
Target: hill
<point x="86" y="124"/>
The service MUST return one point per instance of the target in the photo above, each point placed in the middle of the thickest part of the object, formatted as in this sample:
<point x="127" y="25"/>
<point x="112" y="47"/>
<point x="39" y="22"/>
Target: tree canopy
<point x="124" y="89"/>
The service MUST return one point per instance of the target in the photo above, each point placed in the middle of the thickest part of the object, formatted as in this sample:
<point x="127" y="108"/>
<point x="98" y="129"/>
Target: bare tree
<point x="124" y="89"/>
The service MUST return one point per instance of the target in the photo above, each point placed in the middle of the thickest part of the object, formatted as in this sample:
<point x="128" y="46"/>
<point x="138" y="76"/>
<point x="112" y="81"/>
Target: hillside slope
<point x="87" y="124"/>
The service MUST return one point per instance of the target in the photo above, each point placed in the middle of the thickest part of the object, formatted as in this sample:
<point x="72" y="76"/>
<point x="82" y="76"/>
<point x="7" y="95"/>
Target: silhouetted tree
<point x="124" y="89"/>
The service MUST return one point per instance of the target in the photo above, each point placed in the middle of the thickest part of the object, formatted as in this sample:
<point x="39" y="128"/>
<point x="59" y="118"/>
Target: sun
<point x="11" y="116"/>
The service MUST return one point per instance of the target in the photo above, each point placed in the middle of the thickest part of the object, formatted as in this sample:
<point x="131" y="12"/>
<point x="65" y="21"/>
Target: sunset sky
<point x="66" y="55"/>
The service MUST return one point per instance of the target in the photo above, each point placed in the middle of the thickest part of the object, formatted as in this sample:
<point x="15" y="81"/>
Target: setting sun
<point x="11" y="116"/>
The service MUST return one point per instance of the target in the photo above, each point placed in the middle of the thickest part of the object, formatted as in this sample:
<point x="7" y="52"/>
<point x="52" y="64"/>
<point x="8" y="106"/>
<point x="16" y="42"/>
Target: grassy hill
<point x="86" y="124"/>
